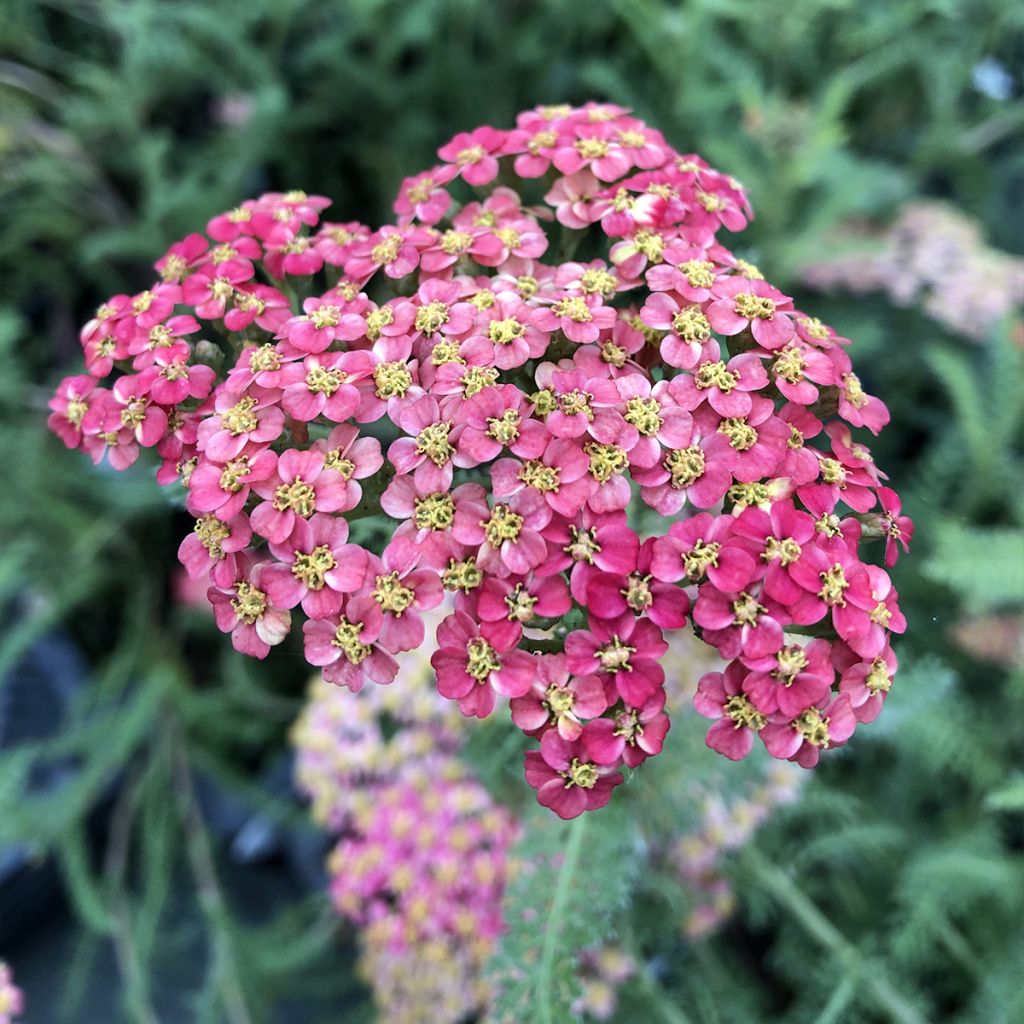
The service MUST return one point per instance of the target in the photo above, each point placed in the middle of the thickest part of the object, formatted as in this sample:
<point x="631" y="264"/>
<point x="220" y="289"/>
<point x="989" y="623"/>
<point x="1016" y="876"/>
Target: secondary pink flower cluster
<point x="726" y="824"/>
<point x="12" y="1000"/>
<point x="421" y="862"/>
<point x="934" y="256"/>
<point x="586" y="418"/>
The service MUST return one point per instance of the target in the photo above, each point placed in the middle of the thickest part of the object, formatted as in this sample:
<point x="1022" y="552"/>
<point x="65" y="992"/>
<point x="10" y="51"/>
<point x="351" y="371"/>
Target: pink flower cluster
<point x="933" y="256"/>
<point x="421" y="862"/>
<point x="12" y="1000"/>
<point x="586" y="418"/>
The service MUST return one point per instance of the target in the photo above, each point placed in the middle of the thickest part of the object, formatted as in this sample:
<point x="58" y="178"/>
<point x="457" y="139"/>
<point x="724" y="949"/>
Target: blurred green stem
<point x="790" y="896"/>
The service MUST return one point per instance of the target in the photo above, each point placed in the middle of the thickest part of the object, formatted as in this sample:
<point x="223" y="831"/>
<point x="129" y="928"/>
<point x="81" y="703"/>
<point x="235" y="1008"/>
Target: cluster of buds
<point x="933" y="256"/>
<point x="586" y="418"/>
<point x="12" y="1001"/>
<point x="420" y="865"/>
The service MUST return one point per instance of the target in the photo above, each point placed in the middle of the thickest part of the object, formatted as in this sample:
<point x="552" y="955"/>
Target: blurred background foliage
<point x="143" y="768"/>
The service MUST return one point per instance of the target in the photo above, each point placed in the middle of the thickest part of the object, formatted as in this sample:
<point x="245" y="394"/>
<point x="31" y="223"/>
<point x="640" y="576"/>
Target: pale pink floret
<point x="474" y="154"/>
<point x="560" y="476"/>
<point x="740" y="304"/>
<point x="245" y="611"/>
<point x="315" y="567"/>
<point x="573" y="198"/>
<point x="224" y="488"/>
<point x="865" y="683"/>
<point x="508" y="537"/>
<point x="352" y="457"/>
<point x="792" y="680"/>
<point x="324" y="385"/>
<point x="241" y="420"/>
<point x="612" y="594"/>
<point x="725" y="387"/>
<point x="498" y="418"/>
<point x="403" y="589"/>
<point x="301" y="486"/>
<point x="209" y="550"/>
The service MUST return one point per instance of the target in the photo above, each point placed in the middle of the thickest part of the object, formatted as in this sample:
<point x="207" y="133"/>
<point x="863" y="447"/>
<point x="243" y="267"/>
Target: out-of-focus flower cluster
<point x="726" y="825"/>
<point x="601" y="972"/>
<point x="932" y="256"/>
<point x="12" y="1002"/>
<point x="504" y="376"/>
<point x="421" y="861"/>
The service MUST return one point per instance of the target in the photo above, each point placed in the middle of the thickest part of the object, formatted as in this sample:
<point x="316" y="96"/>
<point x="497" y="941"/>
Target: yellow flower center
<point x="386" y="251"/>
<point x="310" y="568"/>
<point x="544" y="478"/>
<point x="297" y="496"/>
<point x="377" y="320"/>
<point x="336" y="461"/>
<point x="853" y="391"/>
<point x="638" y="593"/>
<point x="435" y="512"/>
<point x="746" y="610"/>
<point x="651" y="244"/>
<point x="753" y="307"/>
<point x="582" y="774"/>
<point x="595" y="281"/>
<point x="321" y="381"/>
<point x="685" y="466"/>
<point x="813" y="728"/>
<point x="700" y="558"/>
<point x="742" y="436"/>
<point x="431" y="317"/>
<point x="711" y="375"/>
<point x="76" y="411"/>
<point x="645" y="415"/>
<point x="744" y="714"/>
<point x="392" y="595"/>
<point x="504" y="428"/>
<point x="834" y="583"/>
<point x="464" y="576"/>
<point x="346" y="636"/>
<point x="691" y="324"/>
<point x="264" y="358"/>
<point x="591" y="149"/>
<point x="249" y="604"/>
<point x="503" y="525"/>
<point x="391" y="380"/>
<point x="615" y="655"/>
<point x="559" y="700"/>
<point x="606" y="460"/>
<point x="504" y="332"/>
<point x="520" y="604"/>
<point x="241" y="417"/>
<point x="212" y="533"/>
<point x="454" y="243"/>
<point x="789" y="365"/>
<point x="573" y="308"/>
<point x="232" y="473"/>
<point x="791" y="661"/>
<point x="481" y="659"/>
<point x="582" y="546"/>
<point x="433" y="442"/>
<point x="471" y="155"/>
<point x="786" y="551"/>
<point x="878" y="679"/>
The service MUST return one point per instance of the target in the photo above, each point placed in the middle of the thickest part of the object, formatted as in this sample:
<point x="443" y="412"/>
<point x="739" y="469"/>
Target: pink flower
<point x="594" y="147"/>
<point x="290" y="252"/>
<point x="626" y="648"/>
<point x="504" y="606"/>
<point x="865" y="683"/>
<point x="792" y="679"/>
<point x="565" y="780"/>
<point x="245" y="611"/>
<point x="629" y="735"/>
<point x="560" y="476"/>
<point x="741" y="304"/>
<point x="223" y="488"/>
<point x="697" y="548"/>
<point x="595" y="543"/>
<point x="315" y="567"/>
<point x="324" y="385"/>
<point x="259" y="304"/>
<point x="321" y="324"/>
<point x="573" y="198"/>
<point x="474" y="154"/>
<point x="689" y="330"/>
<point x="209" y="550"/>
<point x="858" y="407"/>
<point x="497" y="418"/>
<point x="471" y="669"/>
<point x="352" y="457"/>
<point x="737" y="623"/>
<point x="724" y="386"/>
<point x="508" y="325"/>
<point x="720" y="696"/>
<point x="403" y="590"/>
<point x="837" y="582"/>
<point x="252" y="418"/>
<point x="898" y="529"/>
<point x="610" y="595"/>
<point x="69" y="406"/>
<point x="301" y="486"/>
<point x="559" y="700"/>
<point x="796" y="368"/>
<point x="429" y="518"/>
<point x="749" y="446"/>
<point x="210" y="289"/>
<point x="581" y="318"/>
<point x="347" y="646"/>
<point x="816" y="729"/>
<point x="508" y="537"/>
<point x="390" y="249"/>
<point x="424" y="197"/>
<point x="432" y="452"/>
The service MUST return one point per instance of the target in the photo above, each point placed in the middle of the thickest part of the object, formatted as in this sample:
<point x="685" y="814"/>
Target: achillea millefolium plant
<point x="581" y="415"/>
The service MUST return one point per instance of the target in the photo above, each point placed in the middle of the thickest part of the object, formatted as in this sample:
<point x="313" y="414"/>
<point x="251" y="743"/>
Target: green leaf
<point x="570" y="879"/>
<point x="984" y="565"/>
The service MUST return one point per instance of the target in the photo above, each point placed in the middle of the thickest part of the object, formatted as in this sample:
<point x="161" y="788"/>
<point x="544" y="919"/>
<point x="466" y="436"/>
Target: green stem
<point x="554" y="924"/>
<point x="806" y="913"/>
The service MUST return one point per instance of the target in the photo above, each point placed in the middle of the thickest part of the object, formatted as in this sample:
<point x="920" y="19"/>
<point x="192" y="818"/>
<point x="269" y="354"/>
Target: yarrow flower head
<point x="585" y="452"/>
